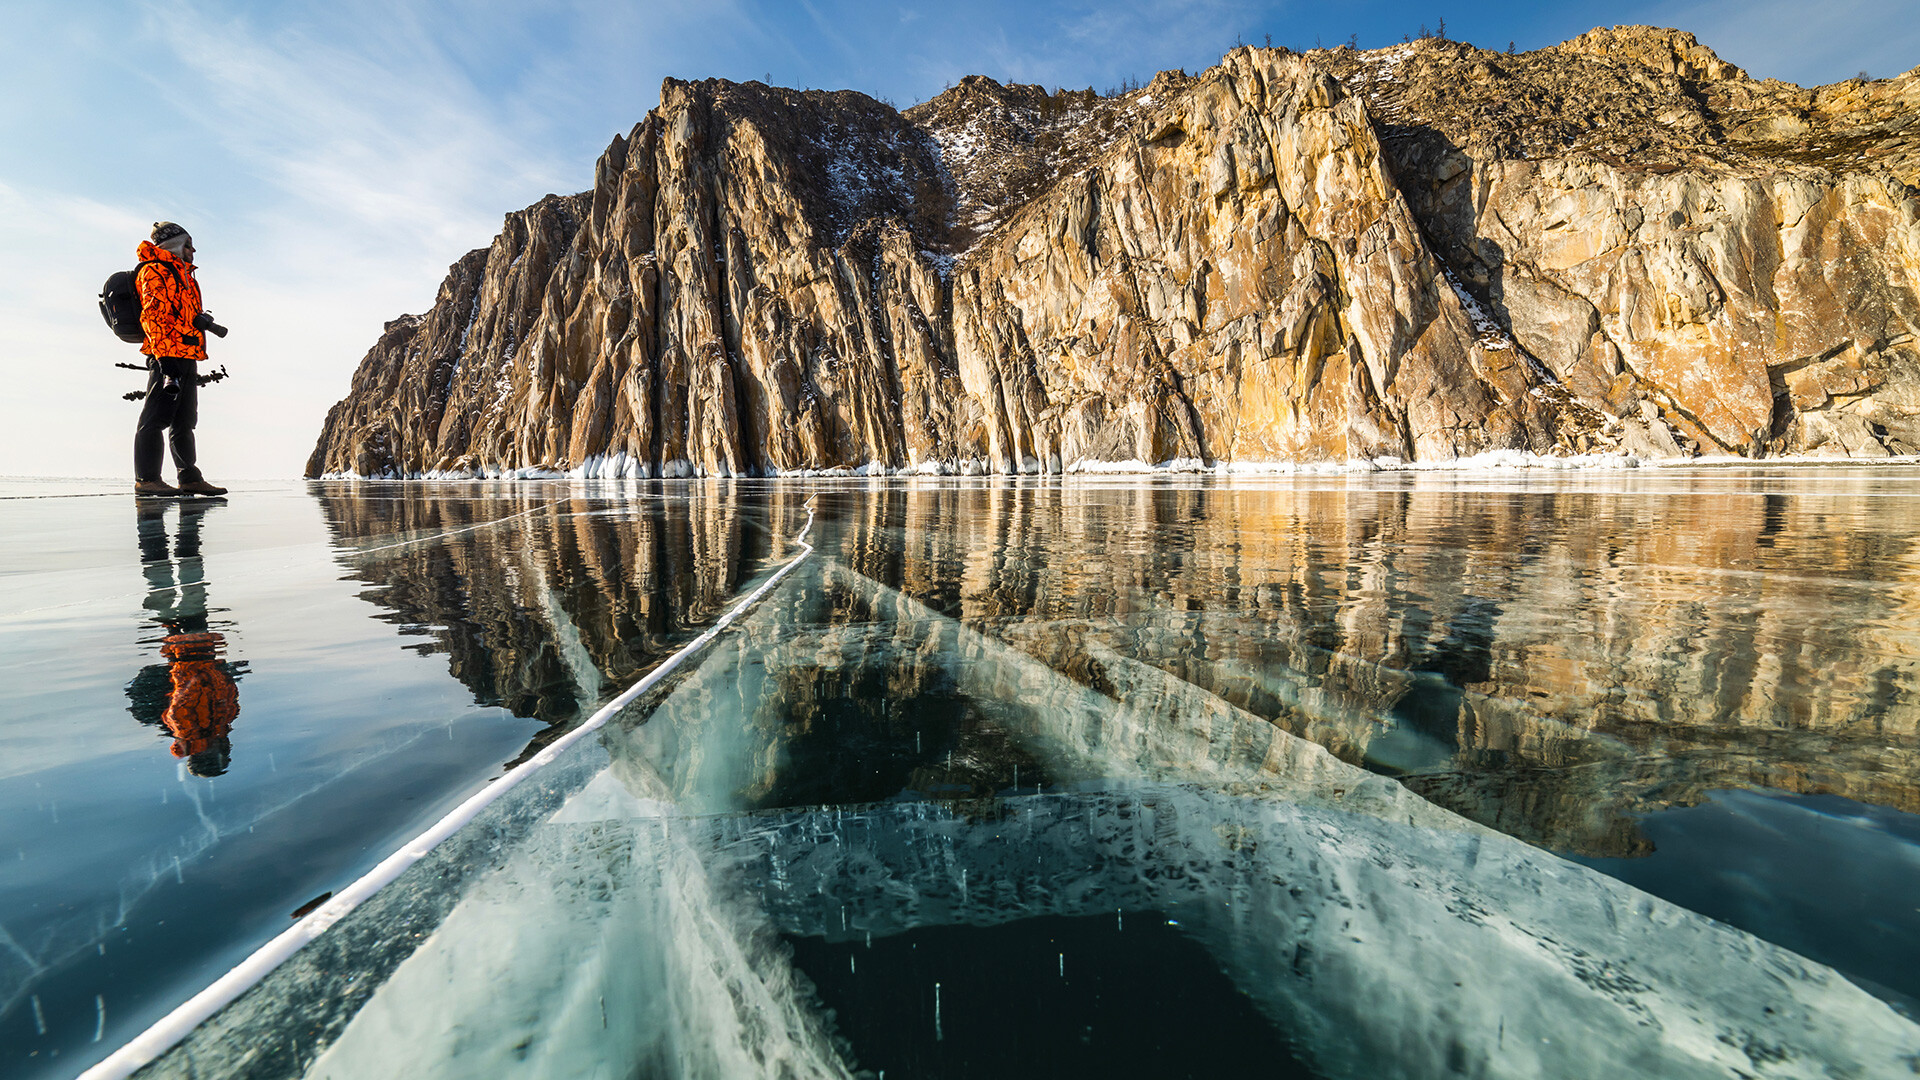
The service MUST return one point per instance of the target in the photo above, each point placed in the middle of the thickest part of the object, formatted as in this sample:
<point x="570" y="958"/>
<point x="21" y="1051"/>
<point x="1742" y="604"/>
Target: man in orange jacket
<point x="175" y="325"/>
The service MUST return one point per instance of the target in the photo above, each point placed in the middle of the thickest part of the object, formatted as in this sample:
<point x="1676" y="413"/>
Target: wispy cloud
<point x="384" y="140"/>
<point x="331" y="160"/>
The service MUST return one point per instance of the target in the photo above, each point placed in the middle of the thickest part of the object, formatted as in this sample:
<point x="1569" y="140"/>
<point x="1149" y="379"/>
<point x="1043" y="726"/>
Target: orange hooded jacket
<point x="169" y="301"/>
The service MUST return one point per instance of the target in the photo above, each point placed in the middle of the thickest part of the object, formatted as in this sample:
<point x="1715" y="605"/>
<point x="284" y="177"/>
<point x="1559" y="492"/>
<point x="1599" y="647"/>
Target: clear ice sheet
<point x="1310" y="720"/>
<point x="635" y="928"/>
<point x="391" y="649"/>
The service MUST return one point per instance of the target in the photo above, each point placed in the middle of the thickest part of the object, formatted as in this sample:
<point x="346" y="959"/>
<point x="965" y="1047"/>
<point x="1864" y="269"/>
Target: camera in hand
<point x="204" y="323"/>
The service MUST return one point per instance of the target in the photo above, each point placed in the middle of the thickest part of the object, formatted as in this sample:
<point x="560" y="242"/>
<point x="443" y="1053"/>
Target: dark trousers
<point x="174" y="412"/>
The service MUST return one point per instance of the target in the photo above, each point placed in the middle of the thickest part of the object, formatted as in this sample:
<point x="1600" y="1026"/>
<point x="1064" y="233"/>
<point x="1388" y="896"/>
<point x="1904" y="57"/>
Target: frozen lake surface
<point x="1506" y="773"/>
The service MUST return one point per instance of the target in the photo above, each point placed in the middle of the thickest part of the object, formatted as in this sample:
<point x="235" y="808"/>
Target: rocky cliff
<point x="1621" y="243"/>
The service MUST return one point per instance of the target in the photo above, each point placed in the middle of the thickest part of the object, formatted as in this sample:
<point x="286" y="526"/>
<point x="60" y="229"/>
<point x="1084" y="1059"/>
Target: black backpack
<point x="120" y="303"/>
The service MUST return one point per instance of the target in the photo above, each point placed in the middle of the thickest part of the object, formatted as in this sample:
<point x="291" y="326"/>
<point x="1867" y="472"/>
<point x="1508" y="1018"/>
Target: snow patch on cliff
<point x="869" y="174"/>
<point x="1001" y="146"/>
<point x="1378" y="81"/>
<point x="1486" y="330"/>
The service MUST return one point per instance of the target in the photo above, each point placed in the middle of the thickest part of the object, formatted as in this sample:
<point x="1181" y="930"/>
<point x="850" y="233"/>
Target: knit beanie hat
<point x="172" y="237"/>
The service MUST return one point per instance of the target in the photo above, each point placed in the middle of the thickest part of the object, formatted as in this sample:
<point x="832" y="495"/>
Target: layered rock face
<point x="1426" y="252"/>
<point x="1672" y="239"/>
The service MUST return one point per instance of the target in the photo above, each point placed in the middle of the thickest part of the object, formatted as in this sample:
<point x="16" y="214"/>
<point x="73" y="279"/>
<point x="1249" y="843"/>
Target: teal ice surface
<point x="129" y="881"/>
<point x="1333" y="729"/>
<point x="983" y="704"/>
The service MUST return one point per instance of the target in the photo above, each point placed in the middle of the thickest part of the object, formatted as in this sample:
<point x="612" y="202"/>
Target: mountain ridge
<point x="1422" y="252"/>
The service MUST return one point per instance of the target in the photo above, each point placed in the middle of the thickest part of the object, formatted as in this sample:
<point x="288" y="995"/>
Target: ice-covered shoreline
<point x="623" y="467"/>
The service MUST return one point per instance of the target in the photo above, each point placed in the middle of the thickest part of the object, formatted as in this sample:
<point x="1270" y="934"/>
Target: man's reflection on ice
<point x="195" y="695"/>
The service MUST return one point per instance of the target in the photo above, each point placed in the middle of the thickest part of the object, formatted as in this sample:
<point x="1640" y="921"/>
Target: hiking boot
<point x="199" y="486"/>
<point x="155" y="487"/>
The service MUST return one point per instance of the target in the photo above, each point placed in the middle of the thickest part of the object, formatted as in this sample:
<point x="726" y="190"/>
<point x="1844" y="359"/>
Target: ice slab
<point x="650" y="875"/>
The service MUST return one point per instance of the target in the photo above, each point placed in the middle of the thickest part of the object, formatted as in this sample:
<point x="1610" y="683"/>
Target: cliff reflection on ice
<point x="1550" y="656"/>
<point x="982" y="705"/>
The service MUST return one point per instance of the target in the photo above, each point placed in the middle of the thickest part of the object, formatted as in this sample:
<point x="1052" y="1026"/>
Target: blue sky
<point x="332" y="159"/>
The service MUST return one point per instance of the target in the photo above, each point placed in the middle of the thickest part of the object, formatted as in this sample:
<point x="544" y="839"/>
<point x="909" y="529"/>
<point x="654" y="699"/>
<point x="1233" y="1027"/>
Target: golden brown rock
<point x="1621" y="243"/>
<point x="1664" y="232"/>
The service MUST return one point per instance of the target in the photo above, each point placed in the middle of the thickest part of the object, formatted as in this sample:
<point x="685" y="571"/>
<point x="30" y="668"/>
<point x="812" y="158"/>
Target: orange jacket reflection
<point x="205" y="698"/>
